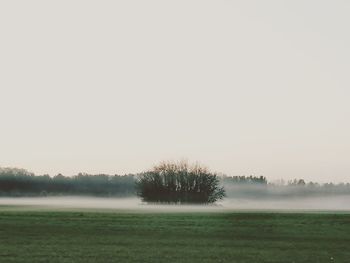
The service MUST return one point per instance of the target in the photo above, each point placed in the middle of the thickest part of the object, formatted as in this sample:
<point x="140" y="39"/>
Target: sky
<point x="243" y="87"/>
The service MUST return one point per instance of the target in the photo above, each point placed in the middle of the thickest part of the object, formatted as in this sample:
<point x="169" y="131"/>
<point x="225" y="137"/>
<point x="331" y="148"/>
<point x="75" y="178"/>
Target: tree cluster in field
<point x="19" y="182"/>
<point x="179" y="183"/>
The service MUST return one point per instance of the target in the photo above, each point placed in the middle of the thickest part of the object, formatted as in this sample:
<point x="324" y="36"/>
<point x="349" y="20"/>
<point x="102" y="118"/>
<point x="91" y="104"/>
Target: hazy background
<point x="245" y="87"/>
<point x="333" y="203"/>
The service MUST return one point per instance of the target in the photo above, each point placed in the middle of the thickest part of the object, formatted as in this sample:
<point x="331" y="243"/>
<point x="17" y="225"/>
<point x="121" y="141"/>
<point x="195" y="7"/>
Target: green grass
<point x="44" y="236"/>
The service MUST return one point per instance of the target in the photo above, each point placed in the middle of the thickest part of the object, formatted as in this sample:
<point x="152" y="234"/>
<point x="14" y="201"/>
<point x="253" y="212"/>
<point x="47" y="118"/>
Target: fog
<point x="330" y="203"/>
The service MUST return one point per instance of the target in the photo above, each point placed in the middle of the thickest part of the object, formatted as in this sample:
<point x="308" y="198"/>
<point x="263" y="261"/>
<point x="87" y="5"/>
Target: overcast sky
<point x="244" y="87"/>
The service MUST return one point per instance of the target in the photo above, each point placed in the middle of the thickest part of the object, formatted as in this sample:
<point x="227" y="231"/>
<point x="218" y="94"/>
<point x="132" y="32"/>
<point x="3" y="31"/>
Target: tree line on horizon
<point x="20" y="182"/>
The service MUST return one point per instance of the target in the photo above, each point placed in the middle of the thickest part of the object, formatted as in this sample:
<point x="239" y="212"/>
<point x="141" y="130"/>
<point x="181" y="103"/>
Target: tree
<point x="172" y="182"/>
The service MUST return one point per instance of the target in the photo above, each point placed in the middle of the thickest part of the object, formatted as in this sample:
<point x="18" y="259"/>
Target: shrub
<point x="171" y="182"/>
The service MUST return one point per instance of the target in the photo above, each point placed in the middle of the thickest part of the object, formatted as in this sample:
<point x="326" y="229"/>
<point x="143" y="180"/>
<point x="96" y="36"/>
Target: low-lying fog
<point x="330" y="203"/>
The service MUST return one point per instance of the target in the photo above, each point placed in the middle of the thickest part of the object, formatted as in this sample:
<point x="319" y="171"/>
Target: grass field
<point x="63" y="236"/>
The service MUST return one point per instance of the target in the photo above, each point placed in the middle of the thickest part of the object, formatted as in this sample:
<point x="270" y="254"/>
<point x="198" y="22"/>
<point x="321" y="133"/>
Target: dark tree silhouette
<point x="19" y="182"/>
<point x="179" y="183"/>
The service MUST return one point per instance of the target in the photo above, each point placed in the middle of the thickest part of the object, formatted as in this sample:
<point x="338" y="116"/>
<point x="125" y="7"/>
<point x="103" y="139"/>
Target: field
<point x="86" y="236"/>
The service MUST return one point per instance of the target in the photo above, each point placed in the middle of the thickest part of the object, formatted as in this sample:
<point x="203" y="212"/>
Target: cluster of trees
<point x="179" y="183"/>
<point x="19" y="182"/>
<point x="167" y="182"/>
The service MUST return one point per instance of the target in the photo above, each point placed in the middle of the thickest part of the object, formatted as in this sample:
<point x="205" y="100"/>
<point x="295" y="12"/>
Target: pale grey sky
<point x="245" y="87"/>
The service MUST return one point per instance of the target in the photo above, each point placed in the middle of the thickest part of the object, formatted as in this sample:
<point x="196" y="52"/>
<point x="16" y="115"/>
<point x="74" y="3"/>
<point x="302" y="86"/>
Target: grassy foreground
<point x="43" y="236"/>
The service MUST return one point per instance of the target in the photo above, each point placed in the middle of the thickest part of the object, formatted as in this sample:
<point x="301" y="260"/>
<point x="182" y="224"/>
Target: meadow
<point x="39" y="235"/>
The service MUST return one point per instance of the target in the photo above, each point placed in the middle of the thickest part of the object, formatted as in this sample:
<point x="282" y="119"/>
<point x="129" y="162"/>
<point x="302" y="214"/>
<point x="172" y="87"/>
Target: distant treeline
<point x="259" y="187"/>
<point x="244" y="179"/>
<point x="19" y="182"/>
